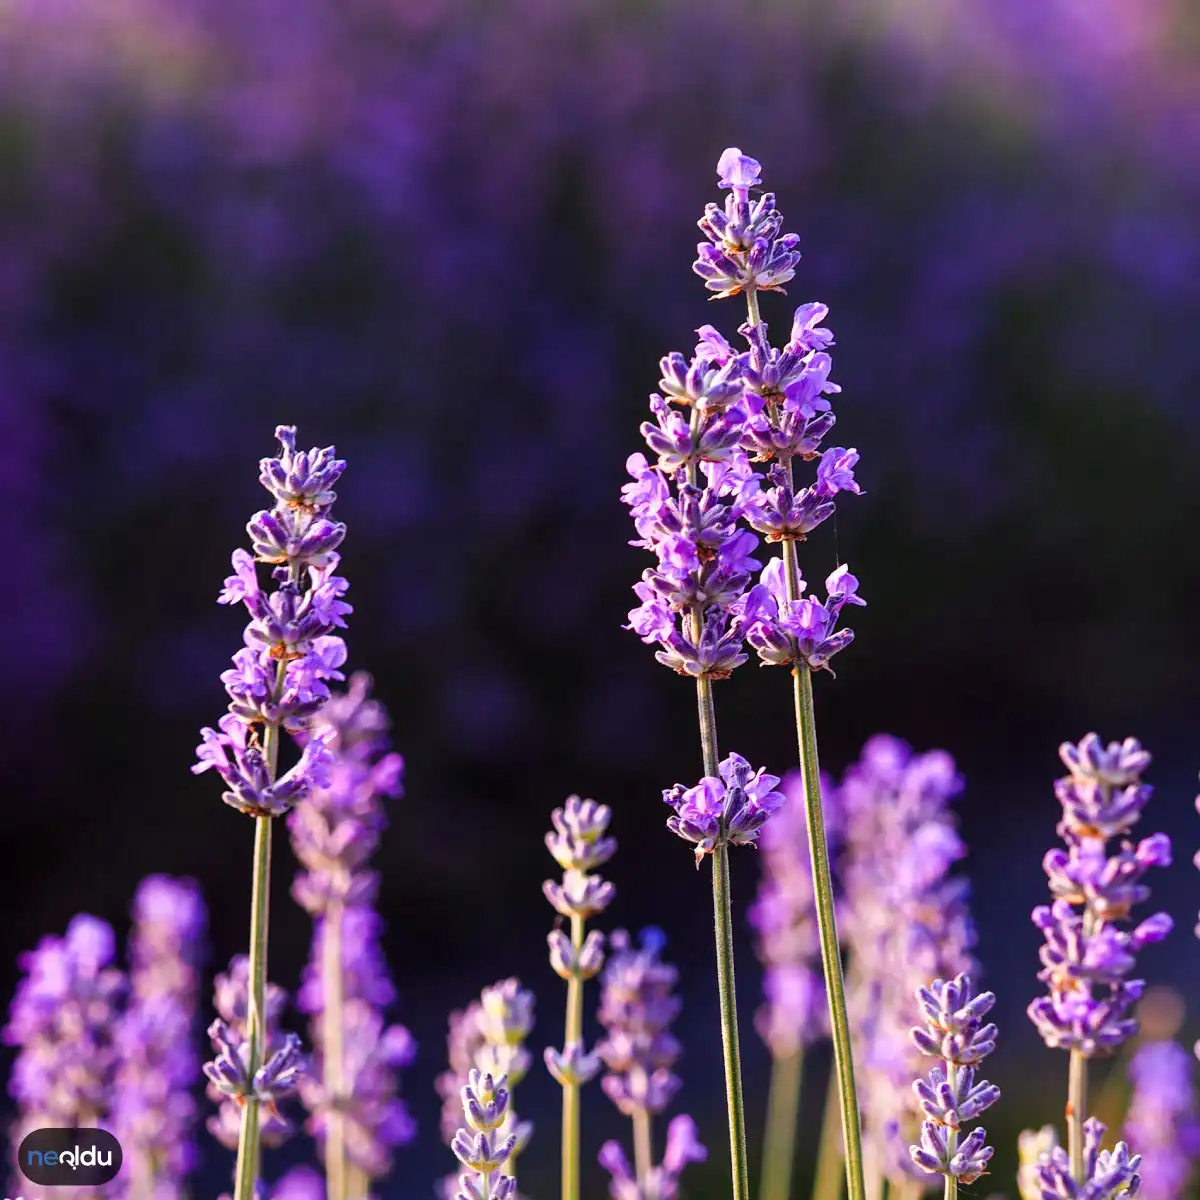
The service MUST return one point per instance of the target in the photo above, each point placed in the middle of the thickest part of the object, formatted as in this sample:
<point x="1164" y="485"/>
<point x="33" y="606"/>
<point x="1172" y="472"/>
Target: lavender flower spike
<point x="62" y="1023"/>
<point x="1088" y="956"/>
<point x="729" y="810"/>
<point x="278" y="682"/>
<point x="1162" y="1122"/>
<point x="951" y="1096"/>
<point x="1106" y="1174"/>
<point x="483" y="1148"/>
<point x="153" y="1110"/>
<point x="579" y="845"/>
<point x="357" y="1115"/>
<point x="637" y="1007"/>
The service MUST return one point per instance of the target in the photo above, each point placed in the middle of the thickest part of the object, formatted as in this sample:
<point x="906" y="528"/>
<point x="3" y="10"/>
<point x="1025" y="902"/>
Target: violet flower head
<point x="637" y="1006"/>
<point x="728" y="810"/>
<point x="1108" y="1174"/>
<point x="1088" y="955"/>
<point x="280" y="677"/>
<point x="153" y="1112"/>
<point x="952" y="1095"/>
<point x="905" y="921"/>
<point x="488" y="1038"/>
<point x="1162" y="1124"/>
<point x="283" y="1064"/>
<point x="62" y="1021"/>
<point x="483" y="1147"/>
<point x="784" y="917"/>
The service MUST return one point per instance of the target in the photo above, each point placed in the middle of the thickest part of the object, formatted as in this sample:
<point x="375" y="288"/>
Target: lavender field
<point x="580" y="414"/>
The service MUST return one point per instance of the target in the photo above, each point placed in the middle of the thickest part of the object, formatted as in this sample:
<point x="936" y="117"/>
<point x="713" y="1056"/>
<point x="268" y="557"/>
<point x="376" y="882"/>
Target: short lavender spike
<point x="153" y="1111"/>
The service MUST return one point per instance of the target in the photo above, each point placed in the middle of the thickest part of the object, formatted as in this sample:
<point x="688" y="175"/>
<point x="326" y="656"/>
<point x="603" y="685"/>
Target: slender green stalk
<point x="783" y="1110"/>
<point x="333" y="1061"/>
<point x="572" y="1037"/>
<point x="723" y="922"/>
<point x="643" y="1146"/>
<point x="831" y="960"/>
<point x="827" y="1184"/>
<point x="358" y="1186"/>
<point x="1076" y="1113"/>
<point x="256" y="1033"/>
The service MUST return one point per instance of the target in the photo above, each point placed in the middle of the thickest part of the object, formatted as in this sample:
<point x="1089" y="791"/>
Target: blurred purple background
<point x="453" y="238"/>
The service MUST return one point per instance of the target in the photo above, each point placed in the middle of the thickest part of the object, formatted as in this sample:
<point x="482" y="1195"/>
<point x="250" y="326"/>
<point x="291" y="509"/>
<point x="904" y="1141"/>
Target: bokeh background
<point x="453" y="238"/>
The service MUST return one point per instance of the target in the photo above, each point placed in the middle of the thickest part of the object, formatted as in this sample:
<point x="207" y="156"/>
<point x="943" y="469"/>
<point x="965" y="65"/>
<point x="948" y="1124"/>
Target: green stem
<point x="783" y="1111"/>
<point x="248" y="1144"/>
<point x="723" y="921"/>
<point x="951" y="1192"/>
<point x="573" y="1037"/>
<point x="1076" y="1113"/>
<point x="643" y="1146"/>
<point x="336" y="1180"/>
<point x="357" y="1183"/>
<point x="828" y="1182"/>
<point x="831" y="960"/>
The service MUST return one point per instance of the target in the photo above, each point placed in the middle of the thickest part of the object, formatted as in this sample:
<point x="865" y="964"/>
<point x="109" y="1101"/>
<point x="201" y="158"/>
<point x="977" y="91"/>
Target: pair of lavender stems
<point x="698" y="607"/>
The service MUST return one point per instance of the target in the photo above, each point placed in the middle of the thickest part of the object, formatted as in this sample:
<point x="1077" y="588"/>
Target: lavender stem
<point x="722" y="914"/>
<point x="573" y="1036"/>
<point x="643" y="1146"/>
<point x="783" y="1109"/>
<point x="260" y="902"/>
<point x="333" y="1060"/>
<point x="1076" y="1113"/>
<point x="831" y="959"/>
<point x="827" y="1184"/>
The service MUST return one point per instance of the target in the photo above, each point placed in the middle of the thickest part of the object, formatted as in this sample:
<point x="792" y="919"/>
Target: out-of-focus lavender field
<point x="454" y="238"/>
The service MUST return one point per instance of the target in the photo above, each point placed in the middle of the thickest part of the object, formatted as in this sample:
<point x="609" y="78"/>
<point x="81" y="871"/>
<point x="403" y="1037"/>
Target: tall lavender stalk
<point x="153" y="1110"/>
<point x="357" y="1115"/>
<point x="278" y="682"/>
<point x="1087" y="957"/>
<point x="579" y="845"/>
<point x="637" y="1007"/>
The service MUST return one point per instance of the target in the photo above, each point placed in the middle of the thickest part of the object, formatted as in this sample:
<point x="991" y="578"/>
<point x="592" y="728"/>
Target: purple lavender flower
<point x="784" y="917"/>
<point x="484" y="1148"/>
<point x="334" y="833"/>
<point x="153" y="1111"/>
<point x="1107" y="1174"/>
<point x="62" y="1021"/>
<point x="279" y="679"/>
<point x="1087" y="957"/>
<point x="954" y="1033"/>
<point x="1162" y="1124"/>
<point x="729" y="810"/>
<point x="637" y="1007"/>
<point x="230" y="1079"/>
<point x="488" y="1037"/>
<point x="905" y="921"/>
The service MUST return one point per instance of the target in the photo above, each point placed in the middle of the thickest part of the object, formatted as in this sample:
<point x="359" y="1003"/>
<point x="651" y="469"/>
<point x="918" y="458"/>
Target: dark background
<point x="454" y="238"/>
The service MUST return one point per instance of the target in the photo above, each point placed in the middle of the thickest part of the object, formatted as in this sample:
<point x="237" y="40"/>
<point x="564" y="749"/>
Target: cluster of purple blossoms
<point x="730" y="809"/>
<point x="954" y="1033"/>
<point x="229" y="1083"/>
<point x="753" y="407"/>
<point x="1162" y="1123"/>
<point x="153" y="1111"/>
<point x="488" y="1037"/>
<point x="904" y="922"/>
<point x="484" y="1147"/>
<point x="784" y="917"/>
<point x="62" y="1021"/>
<point x="1087" y="956"/>
<point x="1107" y="1174"/>
<point x="334" y="833"/>
<point x="578" y="843"/>
<point x="280" y="677"/>
<point x="637" y="1007"/>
